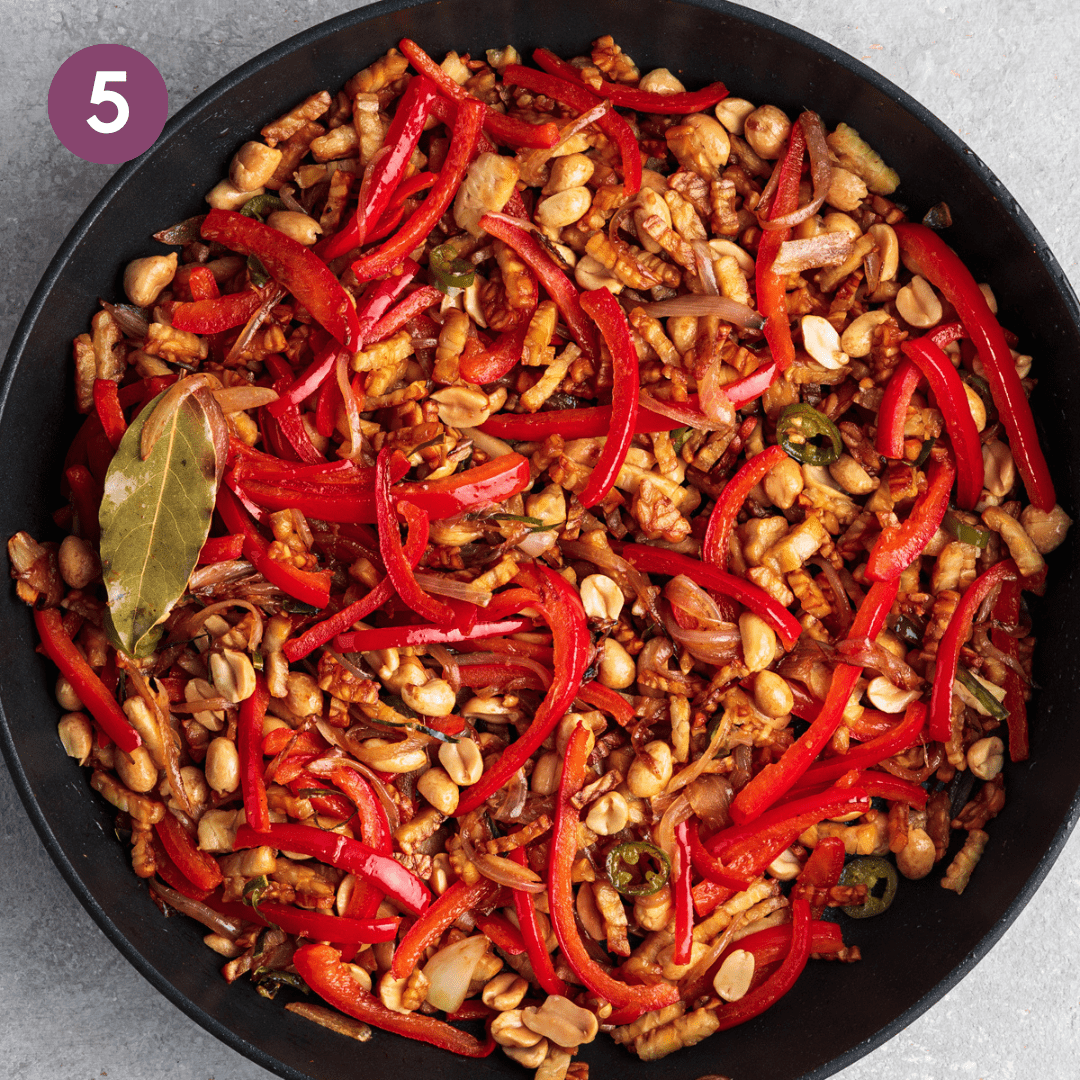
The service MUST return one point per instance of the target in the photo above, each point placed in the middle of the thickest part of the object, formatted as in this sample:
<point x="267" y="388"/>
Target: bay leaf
<point x="155" y="517"/>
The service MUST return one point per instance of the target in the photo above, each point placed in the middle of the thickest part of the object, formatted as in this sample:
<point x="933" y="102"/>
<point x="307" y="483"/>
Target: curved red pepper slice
<point x="583" y="423"/>
<point x="321" y="968"/>
<point x="607" y="700"/>
<point x="952" y="400"/>
<point x="396" y="637"/>
<point x="617" y="129"/>
<point x="249" y="748"/>
<point x="776" y="779"/>
<point x="292" y="266"/>
<point x="684" y="900"/>
<point x="107" y="406"/>
<point x="539" y="957"/>
<point x="93" y="693"/>
<point x="200" y="868"/>
<point x="823" y="869"/>
<point x="487" y="484"/>
<point x="212" y="316"/>
<point x="952" y="641"/>
<point x="897" y="548"/>
<point x="401" y="885"/>
<point x="711" y="868"/>
<point x="561" y="608"/>
<point x="493" y="363"/>
<point x="558" y="285"/>
<point x="630" y="97"/>
<point x="501" y="932"/>
<point x="564" y="846"/>
<point x="924" y="252"/>
<point x="892" y="414"/>
<point x="322" y="926"/>
<point x="714" y="547"/>
<point x="615" y="330"/>
<point x="221" y="549"/>
<point x="654" y="560"/>
<point x="463" y="141"/>
<point x="459" y="899"/>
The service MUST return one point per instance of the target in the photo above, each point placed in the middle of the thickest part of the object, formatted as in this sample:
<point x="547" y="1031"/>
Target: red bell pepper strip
<point x="684" y="903"/>
<point x="1007" y="612"/>
<point x="924" y="252"/>
<point x="310" y="380"/>
<point x="92" y="692"/>
<point x="711" y="868"/>
<point x="606" y="700"/>
<point x="776" y="779"/>
<point x="714" y="548"/>
<point x="249" y="748"/>
<point x="823" y="869"/>
<point x="390" y="637"/>
<point x="308" y="586"/>
<point x="539" y="957"/>
<point x="202" y="284"/>
<point x="199" y="867"/>
<point x="387" y="173"/>
<point x="292" y="427"/>
<point x="952" y="400"/>
<point x="614" y="126"/>
<point x="292" y="266"/>
<point x="221" y="549"/>
<point x="781" y="981"/>
<point x="111" y="415"/>
<point x="482" y="486"/>
<point x="416" y="303"/>
<point x="583" y="423"/>
<point x="654" y="560"/>
<point x="892" y="414"/>
<point x="365" y="898"/>
<point x="397" y="565"/>
<point x="771" y="296"/>
<point x="561" y="608"/>
<point x="85" y="495"/>
<point x="493" y="363"/>
<point x="563" y="851"/>
<point x="903" y="736"/>
<point x="898" y="547"/>
<point x="171" y="874"/>
<point x="502" y="933"/>
<point x="321" y="968"/>
<point x="558" y="285"/>
<point x="615" y="330"/>
<point x="401" y="885"/>
<point x="322" y="926"/>
<point x="455" y="902"/>
<point x="952" y="641"/>
<point x="463" y="140"/>
<point x="630" y="97"/>
<point x="504" y="129"/>
<point x="212" y="316"/>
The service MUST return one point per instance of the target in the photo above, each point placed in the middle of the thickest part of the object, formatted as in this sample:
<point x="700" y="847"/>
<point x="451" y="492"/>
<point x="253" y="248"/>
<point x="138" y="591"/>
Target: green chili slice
<point x="981" y="694"/>
<point x="880" y="878"/>
<point x="254" y="889"/>
<point x="965" y="533"/>
<point x="924" y="453"/>
<point x="257" y="272"/>
<point x="448" y="270"/>
<point x="796" y="429"/>
<point x="629" y="855"/>
<point x="261" y="205"/>
<point x="679" y="437"/>
<point x="268" y="981"/>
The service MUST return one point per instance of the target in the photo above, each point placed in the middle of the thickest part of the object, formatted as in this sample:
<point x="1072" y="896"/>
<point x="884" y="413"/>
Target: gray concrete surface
<point x="1002" y="74"/>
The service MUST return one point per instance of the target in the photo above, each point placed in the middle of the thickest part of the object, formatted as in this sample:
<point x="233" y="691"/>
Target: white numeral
<point x="99" y="95"/>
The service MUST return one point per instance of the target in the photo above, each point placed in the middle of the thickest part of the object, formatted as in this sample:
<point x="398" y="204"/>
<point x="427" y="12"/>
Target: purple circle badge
<point x="108" y="103"/>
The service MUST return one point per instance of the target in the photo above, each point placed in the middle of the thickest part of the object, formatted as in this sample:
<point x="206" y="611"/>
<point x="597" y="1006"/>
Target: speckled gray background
<point x="1001" y="73"/>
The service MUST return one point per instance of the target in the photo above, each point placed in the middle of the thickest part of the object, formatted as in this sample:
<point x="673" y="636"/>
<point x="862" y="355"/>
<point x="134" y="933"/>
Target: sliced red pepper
<point x="714" y="547"/>
<point x="615" y="330"/>
<point x="92" y="692"/>
<point x="561" y="608"/>
<point x="199" y="867"/>
<point x="771" y="296"/>
<point x="684" y="905"/>
<point x="401" y="885"/>
<point x="586" y="423"/>
<point x="308" y="586"/>
<point x="322" y="926"/>
<point x="310" y="380"/>
<point x="925" y="253"/>
<point x="389" y="170"/>
<point x="1007" y="613"/>
<point x="365" y="898"/>
<point x="563" y="852"/>
<point x="85" y="495"/>
<point x="606" y="700"/>
<point x="892" y="414"/>
<point x="952" y="400"/>
<point x="630" y="97"/>
<point x="202" y="283"/>
<point x="533" y="939"/>
<point x="416" y="303"/>
<point x="823" y="869"/>
<point x="776" y="779"/>
<point x="484" y="485"/>
<point x="221" y="549"/>
<point x="501" y="932"/>
<point x="558" y="285"/>
<point x="952" y="641"/>
<point x="459" y="899"/>
<point x="615" y="127"/>
<point x="107" y="404"/>
<point x="249" y="749"/>
<point x="292" y="266"/>
<point x="321" y="968"/>
<point x="292" y="427"/>
<point x="493" y="363"/>
<point x="171" y="874"/>
<point x="212" y="316"/>
<point x="897" y="548"/>
<point x="503" y="128"/>
<point x="711" y="868"/>
<point x="654" y="560"/>
<point x="391" y="637"/>
<point x="414" y="232"/>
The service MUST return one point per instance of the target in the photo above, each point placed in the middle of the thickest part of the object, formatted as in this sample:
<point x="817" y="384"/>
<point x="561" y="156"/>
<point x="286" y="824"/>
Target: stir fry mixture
<point x="543" y="539"/>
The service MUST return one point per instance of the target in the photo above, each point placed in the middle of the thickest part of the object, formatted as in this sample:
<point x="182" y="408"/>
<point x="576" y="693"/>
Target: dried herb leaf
<point x="155" y="516"/>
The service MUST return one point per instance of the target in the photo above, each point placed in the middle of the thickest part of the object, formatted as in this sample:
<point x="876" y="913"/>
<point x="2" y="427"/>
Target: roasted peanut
<point x="608" y="815"/>
<point x="432" y="698"/>
<point x="222" y="765"/>
<point x="735" y="975"/>
<point x="144" y="279"/>
<point x="1046" y="530"/>
<point x="296" y="225"/>
<point x="439" y="790"/>
<point x="462" y="761"/>
<point x="986" y="757"/>
<point x="601" y="597"/>
<point x="648" y="778"/>
<point x="252" y="166"/>
<point x="766" y="130"/>
<point x="504" y="992"/>
<point x="918" y="304"/>
<point x="561" y="1021"/>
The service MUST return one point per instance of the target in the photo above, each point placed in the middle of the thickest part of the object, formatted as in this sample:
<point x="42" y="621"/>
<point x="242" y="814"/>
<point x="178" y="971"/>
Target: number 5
<point x="99" y="95"/>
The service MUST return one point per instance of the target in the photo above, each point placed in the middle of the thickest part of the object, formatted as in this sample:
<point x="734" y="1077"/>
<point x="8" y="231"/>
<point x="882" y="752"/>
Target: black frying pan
<point x="930" y="938"/>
